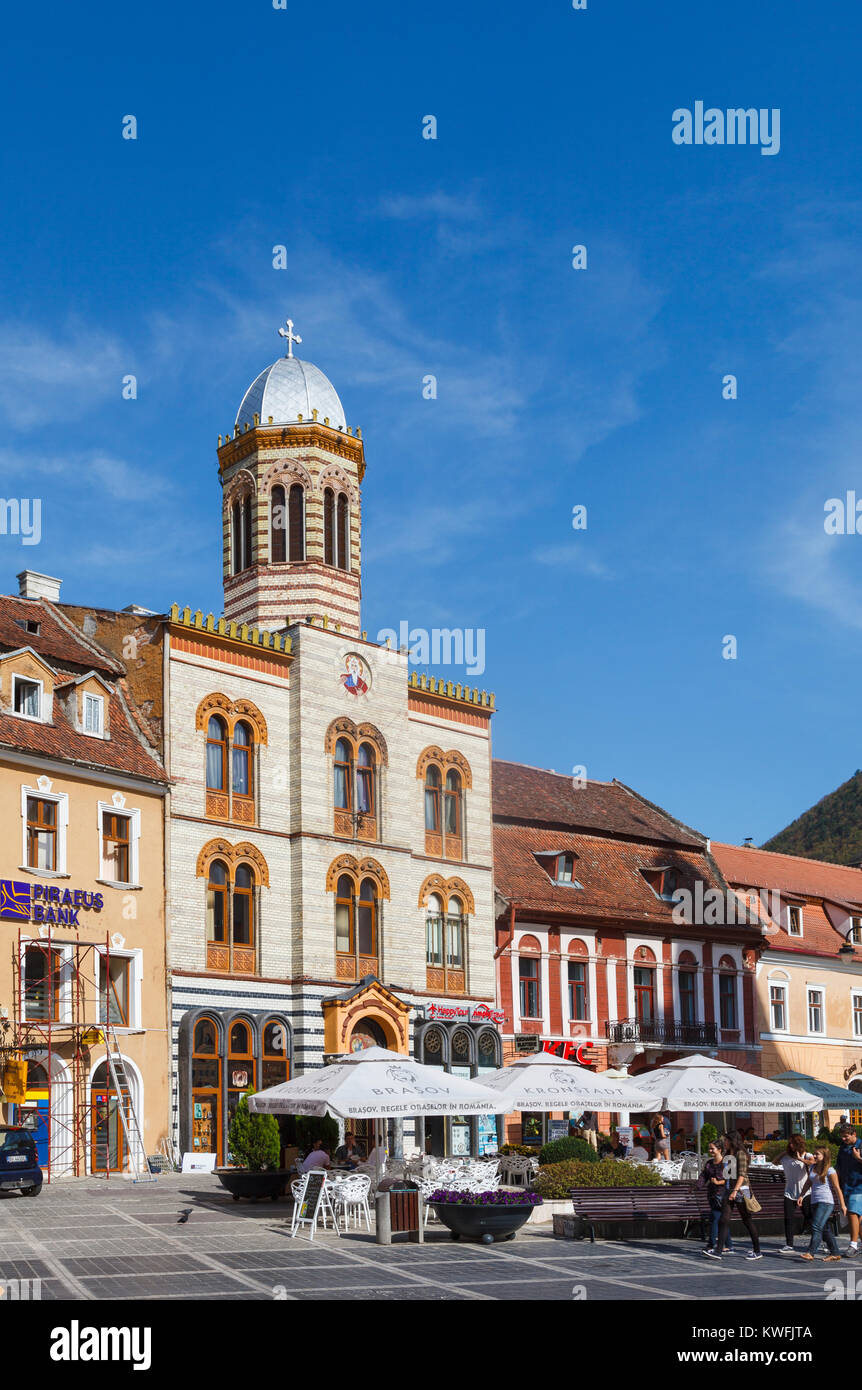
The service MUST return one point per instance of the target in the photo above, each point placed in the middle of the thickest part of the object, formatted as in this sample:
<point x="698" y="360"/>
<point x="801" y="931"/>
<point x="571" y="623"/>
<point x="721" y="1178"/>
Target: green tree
<point x="253" y="1140"/>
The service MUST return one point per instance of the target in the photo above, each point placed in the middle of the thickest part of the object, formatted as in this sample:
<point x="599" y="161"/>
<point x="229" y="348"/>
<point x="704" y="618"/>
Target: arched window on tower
<point x="296" y="522"/>
<point x="329" y="527"/>
<point x="343" y="775"/>
<point x="343" y="533"/>
<point x="246" y="533"/>
<point x="278" y="526"/>
<point x="365" y="780"/>
<point x="236" y="536"/>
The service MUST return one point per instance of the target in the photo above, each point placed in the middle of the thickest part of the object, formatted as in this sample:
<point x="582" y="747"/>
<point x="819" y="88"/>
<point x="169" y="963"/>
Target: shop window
<point x="206" y="1128"/>
<point x="240" y="1065"/>
<point x="275" y="1067"/>
<point x="114" y="990"/>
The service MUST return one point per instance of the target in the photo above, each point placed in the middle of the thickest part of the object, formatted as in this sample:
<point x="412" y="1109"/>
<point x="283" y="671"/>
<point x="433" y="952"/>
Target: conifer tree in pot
<point x="254" y="1144"/>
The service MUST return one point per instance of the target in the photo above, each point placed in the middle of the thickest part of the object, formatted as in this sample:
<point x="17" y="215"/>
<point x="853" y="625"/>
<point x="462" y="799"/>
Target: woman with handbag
<point x="740" y="1197"/>
<point x="713" y="1179"/>
<point x="825" y="1188"/>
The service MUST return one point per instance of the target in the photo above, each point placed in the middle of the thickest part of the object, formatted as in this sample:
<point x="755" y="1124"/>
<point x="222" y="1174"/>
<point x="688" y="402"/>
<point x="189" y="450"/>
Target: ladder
<point x="128" y="1118"/>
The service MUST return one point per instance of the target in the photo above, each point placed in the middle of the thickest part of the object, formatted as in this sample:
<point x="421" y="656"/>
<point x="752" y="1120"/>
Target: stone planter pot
<point x="486" y="1224"/>
<point x="242" y="1182"/>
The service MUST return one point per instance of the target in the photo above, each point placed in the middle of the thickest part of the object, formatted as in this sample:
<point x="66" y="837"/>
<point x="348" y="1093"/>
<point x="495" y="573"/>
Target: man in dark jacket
<point x="848" y="1166"/>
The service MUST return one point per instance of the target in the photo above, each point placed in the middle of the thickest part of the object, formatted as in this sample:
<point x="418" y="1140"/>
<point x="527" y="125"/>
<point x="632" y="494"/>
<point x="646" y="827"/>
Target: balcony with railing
<point x="665" y="1032"/>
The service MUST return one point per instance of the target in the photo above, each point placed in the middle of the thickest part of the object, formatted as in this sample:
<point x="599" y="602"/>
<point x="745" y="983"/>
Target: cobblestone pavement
<point x="94" y="1240"/>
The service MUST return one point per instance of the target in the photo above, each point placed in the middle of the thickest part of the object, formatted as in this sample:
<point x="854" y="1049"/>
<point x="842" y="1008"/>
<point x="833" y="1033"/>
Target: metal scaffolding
<point x="60" y="1015"/>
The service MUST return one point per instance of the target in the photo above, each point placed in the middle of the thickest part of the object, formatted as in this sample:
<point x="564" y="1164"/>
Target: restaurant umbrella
<point x="377" y="1084"/>
<point x="699" y="1083"/>
<point x="542" y="1082"/>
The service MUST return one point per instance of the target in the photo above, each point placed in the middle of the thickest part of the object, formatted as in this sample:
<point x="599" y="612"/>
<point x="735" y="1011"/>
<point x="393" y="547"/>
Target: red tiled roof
<point x="609" y="870"/>
<point x="56" y="642"/>
<point x="121" y="752"/>
<point x="812" y="880"/>
<point x="761" y="868"/>
<point x="533" y="796"/>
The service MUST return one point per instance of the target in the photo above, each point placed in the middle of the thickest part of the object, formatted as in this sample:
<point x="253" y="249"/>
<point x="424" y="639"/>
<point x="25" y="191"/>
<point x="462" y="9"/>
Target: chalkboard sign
<point x="557" y="1129"/>
<point x="312" y="1195"/>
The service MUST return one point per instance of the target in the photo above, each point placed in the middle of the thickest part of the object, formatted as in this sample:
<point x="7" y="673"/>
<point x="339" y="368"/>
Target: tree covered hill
<point x="831" y="830"/>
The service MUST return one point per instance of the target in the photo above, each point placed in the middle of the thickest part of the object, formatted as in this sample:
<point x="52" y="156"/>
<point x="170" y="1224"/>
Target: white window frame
<point x="818" y="990"/>
<point x="856" y="1002"/>
<point x="99" y="702"/>
<point x="61" y="800"/>
<point x="64" y="951"/>
<point x="135" y="957"/>
<point x="40" y="685"/>
<point x="133" y="814"/>
<point x="541" y="935"/>
<point x="855" y="926"/>
<point x="781" y="986"/>
<point x="797" y="935"/>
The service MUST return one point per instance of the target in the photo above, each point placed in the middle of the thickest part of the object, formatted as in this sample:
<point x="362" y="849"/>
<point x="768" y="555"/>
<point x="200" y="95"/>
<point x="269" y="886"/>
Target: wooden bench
<point x="684" y="1202"/>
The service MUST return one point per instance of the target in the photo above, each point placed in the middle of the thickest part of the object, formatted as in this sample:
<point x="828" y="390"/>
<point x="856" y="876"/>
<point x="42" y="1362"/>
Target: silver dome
<point x="288" y="388"/>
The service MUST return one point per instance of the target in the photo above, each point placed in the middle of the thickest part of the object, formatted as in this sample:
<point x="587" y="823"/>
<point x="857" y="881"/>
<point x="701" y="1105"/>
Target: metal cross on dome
<point x="289" y="334"/>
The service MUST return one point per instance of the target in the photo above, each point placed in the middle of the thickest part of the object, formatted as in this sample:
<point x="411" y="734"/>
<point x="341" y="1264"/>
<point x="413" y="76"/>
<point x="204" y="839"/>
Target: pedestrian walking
<point x="715" y="1182"/>
<point x="797" y="1201"/>
<point x="822" y="1180"/>
<point x="660" y="1130"/>
<point x="849" y="1168"/>
<point x="740" y="1198"/>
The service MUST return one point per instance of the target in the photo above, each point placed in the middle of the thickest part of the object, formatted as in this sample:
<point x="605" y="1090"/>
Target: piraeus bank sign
<point x="44" y="902"/>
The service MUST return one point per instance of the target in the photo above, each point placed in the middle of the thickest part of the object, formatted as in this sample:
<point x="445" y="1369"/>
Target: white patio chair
<point x="351" y="1195"/>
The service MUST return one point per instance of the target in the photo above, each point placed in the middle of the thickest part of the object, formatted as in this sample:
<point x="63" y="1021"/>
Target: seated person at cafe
<point x="638" y="1154"/>
<point x="348" y="1152"/>
<point x="613" y="1147"/>
<point x="318" y="1158"/>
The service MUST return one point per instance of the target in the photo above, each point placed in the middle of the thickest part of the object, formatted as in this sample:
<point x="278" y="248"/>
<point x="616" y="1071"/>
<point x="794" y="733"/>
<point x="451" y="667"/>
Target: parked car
<point x="19" y="1163"/>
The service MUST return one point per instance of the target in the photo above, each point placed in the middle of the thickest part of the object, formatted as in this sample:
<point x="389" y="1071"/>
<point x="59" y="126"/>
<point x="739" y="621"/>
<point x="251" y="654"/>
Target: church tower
<point x="291" y="474"/>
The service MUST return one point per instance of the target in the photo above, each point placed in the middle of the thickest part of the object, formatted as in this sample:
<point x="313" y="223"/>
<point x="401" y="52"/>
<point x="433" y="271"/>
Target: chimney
<point x="748" y="843"/>
<point x="34" y="585"/>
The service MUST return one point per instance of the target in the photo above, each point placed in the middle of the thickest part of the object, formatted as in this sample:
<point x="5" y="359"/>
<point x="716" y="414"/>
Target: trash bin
<point x="399" y="1211"/>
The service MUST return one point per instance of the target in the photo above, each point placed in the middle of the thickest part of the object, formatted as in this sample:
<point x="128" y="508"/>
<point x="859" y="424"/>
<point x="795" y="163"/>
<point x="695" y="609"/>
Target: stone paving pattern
<point x="91" y="1239"/>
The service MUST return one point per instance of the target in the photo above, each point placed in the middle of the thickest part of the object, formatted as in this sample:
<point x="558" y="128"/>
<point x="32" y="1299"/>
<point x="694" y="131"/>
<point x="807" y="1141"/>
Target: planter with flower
<point x="485" y="1216"/>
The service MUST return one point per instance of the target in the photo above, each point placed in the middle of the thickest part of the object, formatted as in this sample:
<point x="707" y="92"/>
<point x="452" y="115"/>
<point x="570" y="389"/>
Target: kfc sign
<point x="571" y="1051"/>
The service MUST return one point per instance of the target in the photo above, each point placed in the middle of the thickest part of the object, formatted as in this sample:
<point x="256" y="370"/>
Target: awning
<point x="834" y="1097"/>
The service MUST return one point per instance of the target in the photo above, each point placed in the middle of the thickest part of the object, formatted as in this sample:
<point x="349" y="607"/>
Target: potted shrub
<point x="254" y="1145"/>
<point x="485" y="1216"/>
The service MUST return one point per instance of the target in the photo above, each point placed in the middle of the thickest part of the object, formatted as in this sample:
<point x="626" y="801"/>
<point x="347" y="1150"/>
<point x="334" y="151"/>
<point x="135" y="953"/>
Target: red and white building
<point x="588" y="950"/>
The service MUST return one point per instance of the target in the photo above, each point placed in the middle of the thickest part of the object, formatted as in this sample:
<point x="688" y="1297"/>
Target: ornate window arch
<point x="358" y="753"/>
<point x="233" y="876"/>
<point x="233" y="729"/>
<point x="445" y="887"/>
<point x="359" y="887"/>
<point x="445" y="776"/>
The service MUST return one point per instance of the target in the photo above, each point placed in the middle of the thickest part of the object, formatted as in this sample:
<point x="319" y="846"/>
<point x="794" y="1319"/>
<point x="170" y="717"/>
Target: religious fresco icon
<point x="354" y="675"/>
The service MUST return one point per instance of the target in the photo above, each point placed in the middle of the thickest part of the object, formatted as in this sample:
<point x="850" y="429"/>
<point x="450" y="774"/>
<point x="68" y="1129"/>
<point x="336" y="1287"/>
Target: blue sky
<point x="555" y="387"/>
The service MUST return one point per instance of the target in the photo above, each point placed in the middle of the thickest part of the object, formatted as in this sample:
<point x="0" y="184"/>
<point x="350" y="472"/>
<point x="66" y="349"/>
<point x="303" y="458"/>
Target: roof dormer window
<point x="27" y="697"/>
<point x="794" y="921"/>
<point x="29" y="625"/>
<point x="664" y="882"/>
<point x="94" y="715"/>
<point x="565" y="869"/>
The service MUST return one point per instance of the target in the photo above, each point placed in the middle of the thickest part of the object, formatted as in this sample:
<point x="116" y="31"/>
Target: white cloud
<point x="51" y="377"/>
<point x="572" y="557"/>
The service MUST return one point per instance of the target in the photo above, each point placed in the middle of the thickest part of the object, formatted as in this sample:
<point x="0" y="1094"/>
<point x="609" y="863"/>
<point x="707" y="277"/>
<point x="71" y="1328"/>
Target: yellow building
<point x="809" y="976"/>
<point x="82" y="920"/>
